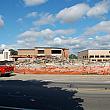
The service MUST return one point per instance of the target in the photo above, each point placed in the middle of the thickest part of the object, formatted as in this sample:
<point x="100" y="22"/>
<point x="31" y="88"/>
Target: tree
<point x="73" y="56"/>
<point x="13" y="52"/>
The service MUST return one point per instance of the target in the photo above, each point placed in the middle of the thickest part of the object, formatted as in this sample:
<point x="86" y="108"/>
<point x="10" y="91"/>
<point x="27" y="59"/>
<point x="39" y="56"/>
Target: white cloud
<point x="4" y="46"/>
<point x="20" y="41"/>
<point x="19" y="20"/>
<point x="75" y="44"/>
<point x="28" y="34"/>
<point x="32" y="14"/>
<point x="30" y="39"/>
<point x="65" y="31"/>
<point x="101" y="42"/>
<point x="78" y="11"/>
<point x="27" y="39"/>
<point x="80" y="43"/>
<point x="57" y="41"/>
<point x="45" y="19"/>
<point x="33" y="38"/>
<point x="1" y="22"/>
<point x="103" y="26"/>
<point x="34" y="2"/>
<point x="47" y="33"/>
<point x="99" y="9"/>
<point x="73" y="13"/>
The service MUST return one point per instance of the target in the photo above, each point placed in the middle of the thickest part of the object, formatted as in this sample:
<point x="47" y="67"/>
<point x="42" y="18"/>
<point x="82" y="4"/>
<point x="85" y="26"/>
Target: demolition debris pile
<point x="76" y="68"/>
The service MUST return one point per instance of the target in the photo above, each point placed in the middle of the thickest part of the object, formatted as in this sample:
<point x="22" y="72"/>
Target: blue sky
<point x="75" y="24"/>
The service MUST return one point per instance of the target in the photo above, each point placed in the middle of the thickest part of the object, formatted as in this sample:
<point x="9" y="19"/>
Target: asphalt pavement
<point x="26" y="92"/>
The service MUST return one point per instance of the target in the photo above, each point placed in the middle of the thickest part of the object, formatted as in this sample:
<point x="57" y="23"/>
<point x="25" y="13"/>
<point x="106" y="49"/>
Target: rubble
<point x="63" y="67"/>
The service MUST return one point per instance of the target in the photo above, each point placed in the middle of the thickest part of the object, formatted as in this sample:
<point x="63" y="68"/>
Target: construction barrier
<point x="103" y="70"/>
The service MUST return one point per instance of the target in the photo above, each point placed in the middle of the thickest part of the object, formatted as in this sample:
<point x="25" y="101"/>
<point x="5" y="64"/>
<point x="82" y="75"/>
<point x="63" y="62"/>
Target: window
<point x="107" y="56"/>
<point x="105" y="60"/>
<point x="40" y="51"/>
<point x="102" y="56"/>
<point x="6" y="55"/>
<point x="1" y="51"/>
<point x="96" y="56"/>
<point x="99" y="60"/>
<point x="91" y="56"/>
<point x="93" y="60"/>
<point x="56" y="51"/>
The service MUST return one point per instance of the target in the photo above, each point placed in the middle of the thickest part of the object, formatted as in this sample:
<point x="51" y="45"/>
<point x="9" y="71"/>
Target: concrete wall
<point x="5" y="55"/>
<point x="99" y="52"/>
<point x="66" y="53"/>
<point x="47" y="52"/>
<point x="1" y="57"/>
<point x="83" y="55"/>
<point x="27" y="52"/>
<point x="94" y="55"/>
<point x="99" y="55"/>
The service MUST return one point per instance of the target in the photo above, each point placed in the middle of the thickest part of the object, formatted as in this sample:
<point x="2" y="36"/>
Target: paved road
<point x="34" y="93"/>
<point x="95" y="101"/>
<point x="95" y="95"/>
<point x="61" y="78"/>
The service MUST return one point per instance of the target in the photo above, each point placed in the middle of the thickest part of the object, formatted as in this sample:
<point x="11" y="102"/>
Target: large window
<point x="56" y="51"/>
<point x="99" y="60"/>
<point x="6" y="55"/>
<point x="107" y="56"/>
<point x="105" y="60"/>
<point x="102" y="56"/>
<point x="1" y="51"/>
<point x="91" y="56"/>
<point x="93" y="59"/>
<point x="40" y="51"/>
<point x="96" y="56"/>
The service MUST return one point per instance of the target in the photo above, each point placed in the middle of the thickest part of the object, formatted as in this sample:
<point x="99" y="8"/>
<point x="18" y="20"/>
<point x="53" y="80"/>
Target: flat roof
<point x="52" y="47"/>
<point x="92" y="49"/>
<point x="26" y="49"/>
<point x="45" y="48"/>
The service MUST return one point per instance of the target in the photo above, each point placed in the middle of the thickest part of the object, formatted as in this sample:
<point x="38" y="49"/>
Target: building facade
<point x="5" y="55"/>
<point x="94" y="55"/>
<point x="38" y="52"/>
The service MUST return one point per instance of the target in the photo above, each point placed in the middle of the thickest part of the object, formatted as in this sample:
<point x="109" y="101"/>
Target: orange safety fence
<point x="103" y="70"/>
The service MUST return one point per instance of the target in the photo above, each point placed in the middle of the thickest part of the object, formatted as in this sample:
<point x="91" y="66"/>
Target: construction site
<point x="51" y="60"/>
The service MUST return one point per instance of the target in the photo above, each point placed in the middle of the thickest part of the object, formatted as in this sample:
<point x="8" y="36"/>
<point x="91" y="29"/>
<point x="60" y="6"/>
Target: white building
<point x="5" y="55"/>
<point x="93" y="55"/>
